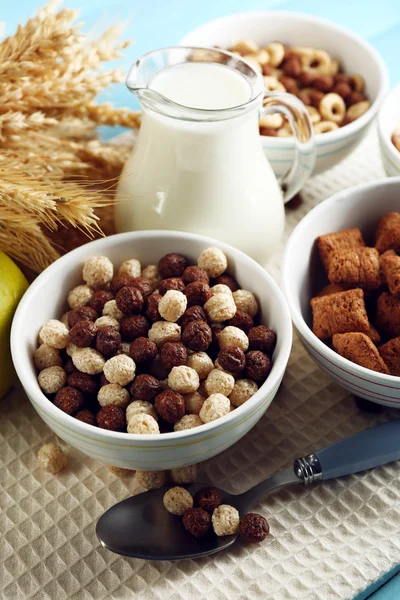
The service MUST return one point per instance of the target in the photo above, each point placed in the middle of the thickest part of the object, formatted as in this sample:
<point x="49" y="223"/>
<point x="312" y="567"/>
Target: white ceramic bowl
<point x="45" y="299"/>
<point x="303" y="277"/>
<point x="388" y="120"/>
<point x="355" y="54"/>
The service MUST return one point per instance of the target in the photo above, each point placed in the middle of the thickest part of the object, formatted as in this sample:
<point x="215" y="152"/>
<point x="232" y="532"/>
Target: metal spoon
<point x="141" y="527"/>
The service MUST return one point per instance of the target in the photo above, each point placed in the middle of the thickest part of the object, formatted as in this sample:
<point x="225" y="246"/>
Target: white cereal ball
<point x="80" y="296"/>
<point x="177" y="500"/>
<point x="188" y="422"/>
<point x="233" y="336"/>
<point x="184" y="474"/>
<point x="45" y="356"/>
<point x="220" y="288"/>
<point x="51" y="458"/>
<point x="225" y="520"/>
<point x="106" y="322"/>
<point x="120" y="369"/>
<point x="110" y="309"/>
<point x="219" y="382"/>
<point x="242" y="391"/>
<point x="97" y="271"/>
<point x="70" y="349"/>
<point x="183" y="380"/>
<point x="172" y="305"/>
<point x="119" y="471"/>
<point x="88" y="360"/>
<point x="140" y="407"/>
<point x="130" y="267"/>
<point x="142" y="423"/>
<point x="112" y="393"/>
<point x="151" y="274"/>
<point x="220" y="307"/>
<point x="246" y="302"/>
<point x="193" y="403"/>
<point x="162" y="332"/>
<point x="201" y="363"/>
<point x="54" y="334"/>
<point x="213" y="261"/>
<point x="52" y="379"/>
<point x="214" y="407"/>
<point x="151" y="480"/>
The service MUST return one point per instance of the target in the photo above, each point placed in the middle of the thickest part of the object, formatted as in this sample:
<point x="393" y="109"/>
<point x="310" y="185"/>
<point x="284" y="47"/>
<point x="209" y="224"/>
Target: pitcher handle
<point x="305" y="149"/>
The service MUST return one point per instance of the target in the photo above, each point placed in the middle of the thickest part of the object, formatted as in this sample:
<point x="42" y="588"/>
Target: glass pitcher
<point x="198" y="163"/>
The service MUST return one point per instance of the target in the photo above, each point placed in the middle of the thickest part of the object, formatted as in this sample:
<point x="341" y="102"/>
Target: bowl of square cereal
<point x="152" y="350"/>
<point x="389" y="132"/>
<point x="341" y="278"/>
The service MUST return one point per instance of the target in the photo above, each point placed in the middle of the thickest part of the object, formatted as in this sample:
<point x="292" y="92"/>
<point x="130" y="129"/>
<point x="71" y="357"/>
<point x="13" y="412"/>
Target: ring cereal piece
<point x="314" y="114"/>
<point x="276" y="52"/>
<point x="357" y="82"/>
<point x="325" y="127"/>
<point x="333" y="108"/>
<point x="274" y="121"/>
<point x="273" y="85"/>
<point x="357" y="110"/>
<point x="317" y="62"/>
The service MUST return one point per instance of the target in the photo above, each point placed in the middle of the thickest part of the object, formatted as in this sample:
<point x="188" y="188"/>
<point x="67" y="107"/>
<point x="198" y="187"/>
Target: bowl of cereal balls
<point x="152" y="350"/>
<point x="389" y="132"/>
<point x="339" y="77"/>
<point x="341" y="278"/>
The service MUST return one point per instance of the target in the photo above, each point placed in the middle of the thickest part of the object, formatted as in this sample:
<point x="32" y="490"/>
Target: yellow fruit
<point x="12" y="287"/>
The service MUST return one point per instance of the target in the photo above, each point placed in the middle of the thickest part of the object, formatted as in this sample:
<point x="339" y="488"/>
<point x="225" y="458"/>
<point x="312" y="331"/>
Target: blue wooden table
<point x="158" y="23"/>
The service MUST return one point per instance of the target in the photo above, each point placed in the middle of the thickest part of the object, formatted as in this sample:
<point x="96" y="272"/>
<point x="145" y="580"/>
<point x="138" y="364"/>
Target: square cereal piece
<point x="339" y="313"/>
<point x="342" y="240"/>
<point x="331" y="288"/>
<point x="387" y="318"/>
<point x="390" y="265"/>
<point x="358" y="267"/>
<point x="388" y="233"/>
<point x="390" y="353"/>
<point x="359" y="349"/>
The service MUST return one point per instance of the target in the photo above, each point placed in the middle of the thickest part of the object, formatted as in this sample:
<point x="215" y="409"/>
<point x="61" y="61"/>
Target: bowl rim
<point x="48" y="407"/>
<point x="392" y="155"/>
<point x="331" y="136"/>
<point x="297" y="317"/>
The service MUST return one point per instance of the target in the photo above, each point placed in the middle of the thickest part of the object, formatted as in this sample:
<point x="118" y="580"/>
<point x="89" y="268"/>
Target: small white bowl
<point x="46" y="299"/>
<point x="355" y="54"/>
<point x="388" y="120"/>
<point x="303" y="276"/>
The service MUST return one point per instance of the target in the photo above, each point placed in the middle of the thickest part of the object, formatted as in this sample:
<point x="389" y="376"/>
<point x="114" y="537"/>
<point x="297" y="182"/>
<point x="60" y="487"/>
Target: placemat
<point x="329" y="540"/>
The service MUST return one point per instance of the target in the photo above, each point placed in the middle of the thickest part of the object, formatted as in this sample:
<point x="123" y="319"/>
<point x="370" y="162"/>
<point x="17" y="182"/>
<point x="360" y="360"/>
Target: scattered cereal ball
<point x="51" y="458"/>
<point x="193" y="313"/>
<point x="231" y="359"/>
<point x="119" y="471"/>
<point x="54" y="334"/>
<point x="262" y="338"/>
<point x="219" y="382"/>
<point x="170" y="406"/>
<point x="143" y="350"/>
<point x="134" y="327"/>
<point x="107" y="322"/>
<point x="229" y="281"/>
<point x="242" y="391"/>
<point x="177" y="500"/>
<point x="129" y="300"/>
<point x="86" y="416"/>
<point x="220" y="307"/>
<point x="246" y="302"/>
<point x="143" y="424"/>
<point x="197" y="521"/>
<point x="52" y="379"/>
<point x="97" y="271"/>
<point x="145" y="387"/>
<point x="193" y="403"/>
<point x="253" y="528"/>
<point x="151" y="480"/>
<point x="214" y="407"/>
<point x="151" y="273"/>
<point x="184" y="475"/>
<point x="83" y="382"/>
<point x="114" y="394"/>
<point x="138" y="407"/>
<point x="69" y="400"/>
<point x="45" y="356"/>
<point x="233" y="336"/>
<point x="201" y="363"/>
<point x="131" y="267"/>
<point x="258" y="365"/>
<point x="241" y="320"/>
<point x="188" y="422"/>
<point x="225" y="520"/>
<point x="172" y="283"/>
<point x="172" y="265"/>
<point x="197" y="293"/>
<point x="173" y="354"/>
<point x="194" y="273"/>
<point x="151" y="303"/>
<point x="172" y="305"/>
<point x="111" y="309"/>
<point x="220" y="288"/>
<point x="70" y="349"/>
<point x="108" y="341"/>
<point x="162" y="331"/>
<point x="183" y="379"/>
<point x="83" y="334"/>
<point x="120" y="369"/>
<point x="84" y="313"/>
<point x="207" y="498"/>
<point x="213" y="261"/>
<point x="99" y="298"/>
<point x="112" y="418"/>
<point x="88" y="360"/>
<point x="197" y="336"/>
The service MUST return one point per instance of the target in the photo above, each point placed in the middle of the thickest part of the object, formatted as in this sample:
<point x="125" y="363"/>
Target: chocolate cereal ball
<point x="120" y="281"/>
<point x="241" y="320"/>
<point x="197" y="293"/>
<point x="197" y="336"/>
<point x="143" y="350"/>
<point x="194" y="273"/>
<point x="253" y="528"/>
<point x="173" y="354"/>
<point x="108" y="341"/>
<point x="170" y="406"/>
<point x="232" y="359"/>
<point x="193" y="313"/>
<point x="228" y="281"/>
<point x="151" y="307"/>
<point x="172" y="283"/>
<point x="171" y="265"/>
<point x="99" y="298"/>
<point x="85" y="313"/>
<point x="83" y="334"/>
<point x="134" y="327"/>
<point x="112" y="418"/>
<point x="86" y="416"/>
<point x="207" y="498"/>
<point x="197" y="521"/>
<point x="143" y="285"/>
<point x="83" y="382"/>
<point x="258" y="365"/>
<point x="69" y="400"/>
<point x="262" y="338"/>
<point x="145" y="387"/>
<point x="129" y="300"/>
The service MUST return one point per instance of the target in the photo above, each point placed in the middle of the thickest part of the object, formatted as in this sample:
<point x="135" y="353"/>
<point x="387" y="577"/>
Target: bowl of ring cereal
<point x="389" y="132"/>
<point x="334" y="72"/>
<point x="341" y="278"/>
